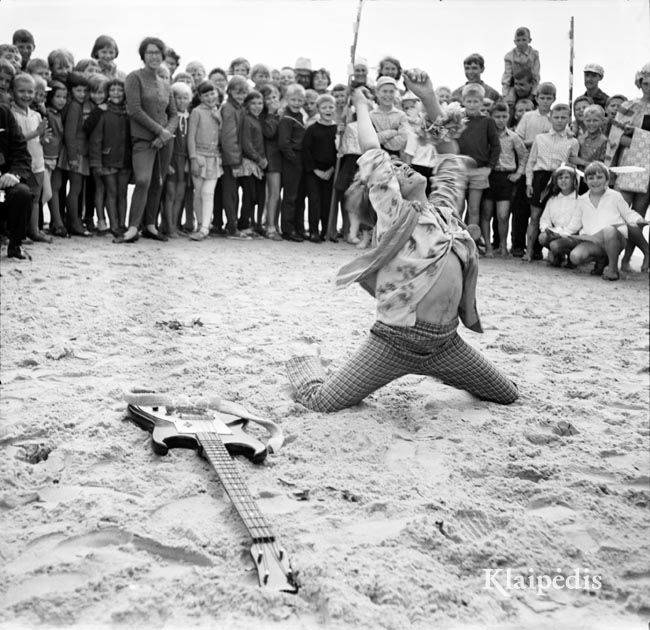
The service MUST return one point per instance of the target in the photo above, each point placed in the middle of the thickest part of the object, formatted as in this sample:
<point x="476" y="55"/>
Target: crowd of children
<point x="191" y="141"/>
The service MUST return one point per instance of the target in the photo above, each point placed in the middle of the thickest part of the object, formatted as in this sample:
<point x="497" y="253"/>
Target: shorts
<point x="477" y="178"/>
<point x="540" y="180"/>
<point x="501" y="188"/>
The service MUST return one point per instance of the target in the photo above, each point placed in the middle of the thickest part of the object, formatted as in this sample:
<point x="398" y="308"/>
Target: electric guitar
<point x="217" y="436"/>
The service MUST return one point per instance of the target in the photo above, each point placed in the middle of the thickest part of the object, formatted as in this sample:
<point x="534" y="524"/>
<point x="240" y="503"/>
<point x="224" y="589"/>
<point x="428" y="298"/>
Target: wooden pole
<point x="571" y="40"/>
<point x="333" y="213"/>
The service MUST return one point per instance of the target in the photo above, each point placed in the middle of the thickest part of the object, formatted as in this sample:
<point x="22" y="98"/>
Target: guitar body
<point x="176" y="428"/>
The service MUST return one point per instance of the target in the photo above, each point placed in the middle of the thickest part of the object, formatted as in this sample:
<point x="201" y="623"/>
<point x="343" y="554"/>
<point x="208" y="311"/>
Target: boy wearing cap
<point x="391" y="124"/>
<point x="594" y="74"/>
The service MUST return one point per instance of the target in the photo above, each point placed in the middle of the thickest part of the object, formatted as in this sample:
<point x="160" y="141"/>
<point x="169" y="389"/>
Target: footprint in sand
<point x="427" y="456"/>
<point x="468" y="525"/>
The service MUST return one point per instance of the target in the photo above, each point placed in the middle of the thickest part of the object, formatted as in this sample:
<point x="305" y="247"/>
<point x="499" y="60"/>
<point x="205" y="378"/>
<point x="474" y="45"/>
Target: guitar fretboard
<point x="230" y="477"/>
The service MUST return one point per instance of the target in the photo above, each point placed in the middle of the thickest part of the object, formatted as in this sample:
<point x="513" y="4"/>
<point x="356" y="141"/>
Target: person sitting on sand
<point x="602" y="217"/>
<point x="422" y="271"/>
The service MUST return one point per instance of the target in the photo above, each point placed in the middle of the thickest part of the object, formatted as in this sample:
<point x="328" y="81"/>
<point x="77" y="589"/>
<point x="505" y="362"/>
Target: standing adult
<point x="629" y="145"/>
<point x="153" y="119"/>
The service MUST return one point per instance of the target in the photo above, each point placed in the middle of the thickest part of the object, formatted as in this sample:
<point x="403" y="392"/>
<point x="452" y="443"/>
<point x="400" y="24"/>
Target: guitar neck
<point x="229" y="475"/>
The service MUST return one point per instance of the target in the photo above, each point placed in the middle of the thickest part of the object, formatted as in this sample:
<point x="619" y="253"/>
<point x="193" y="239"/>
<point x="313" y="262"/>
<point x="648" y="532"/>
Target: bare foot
<point x="527" y="257"/>
<point x="610" y="274"/>
<point x="489" y="253"/>
<point x="625" y="266"/>
<point x="502" y="251"/>
<point x="645" y="266"/>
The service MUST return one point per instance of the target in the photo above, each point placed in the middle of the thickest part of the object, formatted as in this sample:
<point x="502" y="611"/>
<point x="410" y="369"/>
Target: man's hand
<point x="157" y="143"/>
<point x="165" y="136"/>
<point x="8" y="180"/>
<point x="419" y="82"/>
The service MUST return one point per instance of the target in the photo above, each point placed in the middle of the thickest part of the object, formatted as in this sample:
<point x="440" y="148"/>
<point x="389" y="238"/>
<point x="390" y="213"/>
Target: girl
<point x="253" y="164"/>
<point x="321" y="80"/>
<point x="110" y="151"/>
<point x="94" y="108"/>
<point x="602" y="217"/>
<point x="74" y="157"/>
<point x="105" y="51"/>
<point x="55" y="102"/>
<point x="61" y="63"/>
<point x="390" y="67"/>
<point x="270" y="118"/>
<point x="176" y="183"/>
<point x="203" y="151"/>
<point x="561" y="206"/>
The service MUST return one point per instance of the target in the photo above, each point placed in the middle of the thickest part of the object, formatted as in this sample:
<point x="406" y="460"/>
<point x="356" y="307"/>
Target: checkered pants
<point x="393" y="351"/>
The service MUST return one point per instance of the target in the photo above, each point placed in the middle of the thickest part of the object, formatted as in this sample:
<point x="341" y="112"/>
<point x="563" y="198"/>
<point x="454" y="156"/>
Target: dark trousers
<point x="15" y="211"/>
<point x="253" y="194"/>
<point x="217" y="206"/>
<point x="520" y="215"/>
<point x="292" y="217"/>
<point x="319" y="195"/>
<point x="230" y="198"/>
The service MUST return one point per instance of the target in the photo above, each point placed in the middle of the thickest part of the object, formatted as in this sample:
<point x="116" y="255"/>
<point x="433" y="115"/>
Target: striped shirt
<point x="513" y="153"/>
<point x="549" y="150"/>
<point x="531" y="124"/>
<point x="386" y="124"/>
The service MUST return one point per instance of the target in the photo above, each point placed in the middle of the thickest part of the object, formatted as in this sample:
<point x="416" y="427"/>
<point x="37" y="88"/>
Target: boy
<point x="531" y="124"/>
<point x="11" y="54"/>
<point x="291" y="131"/>
<point x="391" y="124"/>
<point x="197" y="71"/>
<point x="522" y="57"/>
<point x="474" y="66"/>
<point x="548" y="152"/>
<point x="24" y="41"/>
<point x="33" y="128"/>
<point x="524" y="87"/>
<point x="311" y="111"/>
<point x="39" y="67"/>
<point x="480" y="141"/>
<point x="521" y="107"/>
<point x="594" y="74"/>
<point x="319" y="152"/>
<point x="340" y="94"/>
<point x="593" y="143"/>
<point x="509" y="169"/>
<point x="613" y="103"/>
<point x="7" y="74"/>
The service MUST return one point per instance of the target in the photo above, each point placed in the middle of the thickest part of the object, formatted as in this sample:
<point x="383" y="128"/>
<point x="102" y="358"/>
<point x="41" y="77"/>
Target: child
<point x="532" y="123"/>
<point x="253" y="164"/>
<point x="232" y="118"/>
<point x="480" y="141"/>
<point x="260" y="76"/>
<point x="321" y="80"/>
<point x="522" y="106"/>
<point x="291" y="131"/>
<point x="110" y="152"/>
<point x="508" y="170"/>
<point x="11" y="54"/>
<point x="486" y="106"/>
<point x="219" y="77"/>
<point x="340" y="94"/>
<point x="178" y="169"/>
<point x="105" y="51"/>
<point x="613" y="103"/>
<point x="94" y="108"/>
<point x="172" y="60"/>
<point x="203" y="151"/>
<point x="40" y="92"/>
<point x="522" y="57"/>
<point x="602" y="217"/>
<point x="197" y="71"/>
<point x="443" y="94"/>
<point x="548" y="151"/>
<point x="240" y="67"/>
<point x="39" y="67"/>
<point x="74" y="157"/>
<point x="61" y="63"/>
<point x="319" y="152"/>
<point x="524" y="86"/>
<point x="7" y="73"/>
<point x="579" y="106"/>
<point x="23" y="40"/>
<point x="593" y="142"/>
<point x="311" y="111"/>
<point x="184" y="77"/>
<point x="55" y="102"/>
<point x="474" y="66"/>
<point x="390" y="123"/>
<point x="34" y="128"/>
<point x="270" y="118"/>
<point x="559" y="211"/>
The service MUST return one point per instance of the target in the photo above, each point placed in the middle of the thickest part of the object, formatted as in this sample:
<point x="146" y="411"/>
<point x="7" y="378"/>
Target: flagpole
<point x="333" y="213"/>
<point x="571" y="41"/>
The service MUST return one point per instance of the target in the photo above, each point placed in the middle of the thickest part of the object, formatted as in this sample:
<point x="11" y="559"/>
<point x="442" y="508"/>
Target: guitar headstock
<point x="173" y="427"/>
<point x="273" y="568"/>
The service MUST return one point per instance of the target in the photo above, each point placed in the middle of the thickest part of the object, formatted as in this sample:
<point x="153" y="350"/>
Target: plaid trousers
<point x="393" y="351"/>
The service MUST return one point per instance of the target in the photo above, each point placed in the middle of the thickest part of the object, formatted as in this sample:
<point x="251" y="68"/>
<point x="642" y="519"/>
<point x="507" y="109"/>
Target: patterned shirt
<point x="532" y="124"/>
<point x="415" y="269"/>
<point x="548" y="152"/>
<point x="513" y="153"/>
<point x="515" y="61"/>
<point x="391" y="121"/>
<point x="593" y="148"/>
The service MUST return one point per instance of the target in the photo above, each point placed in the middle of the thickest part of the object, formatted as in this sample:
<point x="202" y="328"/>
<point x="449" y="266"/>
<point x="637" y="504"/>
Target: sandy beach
<point x="390" y="512"/>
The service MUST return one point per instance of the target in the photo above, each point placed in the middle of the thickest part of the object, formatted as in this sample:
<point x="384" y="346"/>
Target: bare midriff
<point x="440" y="304"/>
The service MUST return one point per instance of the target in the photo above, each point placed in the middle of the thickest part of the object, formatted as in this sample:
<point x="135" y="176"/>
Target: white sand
<point x="104" y="533"/>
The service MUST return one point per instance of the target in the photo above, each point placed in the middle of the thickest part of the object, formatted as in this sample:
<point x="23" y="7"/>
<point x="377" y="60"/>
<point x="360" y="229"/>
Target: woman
<point x="153" y="120"/>
<point x="629" y="145"/>
<point x="423" y="274"/>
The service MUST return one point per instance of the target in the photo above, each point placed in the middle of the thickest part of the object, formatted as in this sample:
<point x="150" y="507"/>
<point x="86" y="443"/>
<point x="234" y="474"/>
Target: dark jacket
<point x="319" y="147"/>
<point x="14" y="157"/>
<point x="110" y="141"/>
<point x="232" y="119"/>
<point x="291" y="132"/>
<point x="75" y="138"/>
<point x="253" y="139"/>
